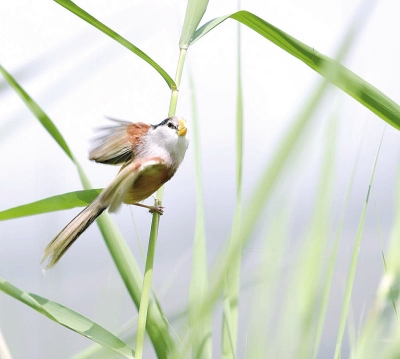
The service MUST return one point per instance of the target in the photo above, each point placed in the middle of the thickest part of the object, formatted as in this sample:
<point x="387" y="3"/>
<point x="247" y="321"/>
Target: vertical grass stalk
<point x="232" y="284"/>
<point x="354" y="261"/>
<point x="332" y="261"/>
<point x="200" y="330"/>
<point x="145" y="298"/>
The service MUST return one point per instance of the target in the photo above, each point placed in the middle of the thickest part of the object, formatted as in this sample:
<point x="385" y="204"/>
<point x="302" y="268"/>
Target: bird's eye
<point x="171" y="125"/>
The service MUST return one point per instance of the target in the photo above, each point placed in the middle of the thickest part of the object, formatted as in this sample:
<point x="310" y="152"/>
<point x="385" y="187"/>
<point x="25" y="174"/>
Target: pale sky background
<point x="78" y="75"/>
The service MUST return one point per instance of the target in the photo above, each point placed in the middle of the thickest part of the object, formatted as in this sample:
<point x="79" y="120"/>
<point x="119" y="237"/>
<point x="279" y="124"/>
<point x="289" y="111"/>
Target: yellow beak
<point x="182" y="130"/>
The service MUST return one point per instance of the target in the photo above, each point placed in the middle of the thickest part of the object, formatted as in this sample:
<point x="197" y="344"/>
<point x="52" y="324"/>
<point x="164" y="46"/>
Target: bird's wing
<point x="113" y="195"/>
<point x="115" y="144"/>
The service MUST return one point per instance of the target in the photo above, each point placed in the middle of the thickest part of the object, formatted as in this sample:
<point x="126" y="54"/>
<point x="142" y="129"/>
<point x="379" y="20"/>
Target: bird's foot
<point x="158" y="209"/>
<point x="152" y="209"/>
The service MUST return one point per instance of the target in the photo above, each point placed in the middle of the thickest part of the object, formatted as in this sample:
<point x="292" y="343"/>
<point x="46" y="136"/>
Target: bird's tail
<point x="60" y="244"/>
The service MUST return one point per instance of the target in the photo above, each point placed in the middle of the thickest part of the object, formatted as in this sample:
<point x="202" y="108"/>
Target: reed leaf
<point x="38" y="112"/>
<point x="194" y="13"/>
<point x="51" y="204"/>
<point x="75" y="9"/>
<point x="69" y="319"/>
<point x="333" y="71"/>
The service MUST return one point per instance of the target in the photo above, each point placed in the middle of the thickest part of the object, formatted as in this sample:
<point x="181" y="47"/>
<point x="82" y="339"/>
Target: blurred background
<point x="78" y="76"/>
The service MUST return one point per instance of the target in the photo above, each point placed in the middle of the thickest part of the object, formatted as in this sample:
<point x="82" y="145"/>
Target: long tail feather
<point x="60" y="244"/>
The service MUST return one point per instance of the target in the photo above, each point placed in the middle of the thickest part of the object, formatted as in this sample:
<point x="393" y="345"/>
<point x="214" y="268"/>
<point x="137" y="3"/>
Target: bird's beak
<point x="182" y="130"/>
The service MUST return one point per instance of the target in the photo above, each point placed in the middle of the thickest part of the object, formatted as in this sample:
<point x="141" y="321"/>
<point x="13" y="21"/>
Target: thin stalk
<point x="200" y="330"/>
<point x="354" y="261"/>
<point x="332" y="260"/>
<point x="232" y="284"/>
<point x="175" y="93"/>
<point x="145" y="298"/>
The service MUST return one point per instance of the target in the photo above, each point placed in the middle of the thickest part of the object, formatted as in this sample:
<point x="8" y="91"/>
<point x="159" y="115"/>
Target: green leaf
<point x="348" y="81"/>
<point x="38" y="112"/>
<point x="52" y="204"/>
<point x="200" y="330"/>
<point x="69" y="319"/>
<point x="69" y="5"/>
<point x="194" y="13"/>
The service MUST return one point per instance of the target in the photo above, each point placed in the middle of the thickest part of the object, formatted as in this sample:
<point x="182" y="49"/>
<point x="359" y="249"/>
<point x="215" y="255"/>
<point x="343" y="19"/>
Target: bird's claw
<point x="158" y="209"/>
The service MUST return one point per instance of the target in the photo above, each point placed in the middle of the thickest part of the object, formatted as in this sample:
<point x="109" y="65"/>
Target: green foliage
<point x="194" y="13"/>
<point x="51" y="204"/>
<point x="69" y="319"/>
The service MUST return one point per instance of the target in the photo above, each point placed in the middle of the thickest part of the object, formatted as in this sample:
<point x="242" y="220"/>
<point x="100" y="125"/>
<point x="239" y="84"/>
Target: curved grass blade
<point x="38" y="112"/>
<point x="51" y="204"/>
<point x="46" y="122"/>
<point x="194" y="13"/>
<point x="69" y="319"/>
<point x="75" y="9"/>
<point x="333" y="71"/>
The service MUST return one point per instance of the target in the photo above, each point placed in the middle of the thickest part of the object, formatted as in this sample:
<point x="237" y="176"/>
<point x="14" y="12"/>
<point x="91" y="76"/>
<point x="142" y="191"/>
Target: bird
<point x="149" y="156"/>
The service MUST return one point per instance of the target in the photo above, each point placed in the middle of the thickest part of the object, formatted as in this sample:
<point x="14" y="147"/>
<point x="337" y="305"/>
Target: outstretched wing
<point x="115" y="144"/>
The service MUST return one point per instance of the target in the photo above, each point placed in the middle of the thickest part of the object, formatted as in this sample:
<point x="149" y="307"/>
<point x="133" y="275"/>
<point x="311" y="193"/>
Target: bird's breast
<point x="148" y="183"/>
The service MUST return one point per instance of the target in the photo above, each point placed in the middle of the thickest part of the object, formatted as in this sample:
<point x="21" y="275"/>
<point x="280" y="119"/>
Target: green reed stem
<point x="144" y="300"/>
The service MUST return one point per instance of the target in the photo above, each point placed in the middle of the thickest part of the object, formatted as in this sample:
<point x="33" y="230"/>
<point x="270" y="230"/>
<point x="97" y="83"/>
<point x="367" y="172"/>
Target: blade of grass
<point x="362" y="15"/>
<point x="387" y="294"/>
<point x="71" y="6"/>
<point x="232" y="283"/>
<point x="384" y="312"/>
<point x="126" y="330"/>
<point x="124" y="260"/>
<point x="51" y="204"/>
<point x="146" y="289"/>
<point x="46" y="123"/>
<point x="69" y="319"/>
<point x="262" y="324"/>
<point x="194" y="13"/>
<point x="38" y="112"/>
<point x="262" y="192"/>
<point x="354" y="261"/>
<point x="332" y="261"/>
<point x="349" y="82"/>
<point x="309" y="276"/>
<point x="268" y="180"/>
<point x="200" y="330"/>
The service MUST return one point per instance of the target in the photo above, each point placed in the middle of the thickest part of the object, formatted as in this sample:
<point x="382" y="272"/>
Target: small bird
<point x="149" y="155"/>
